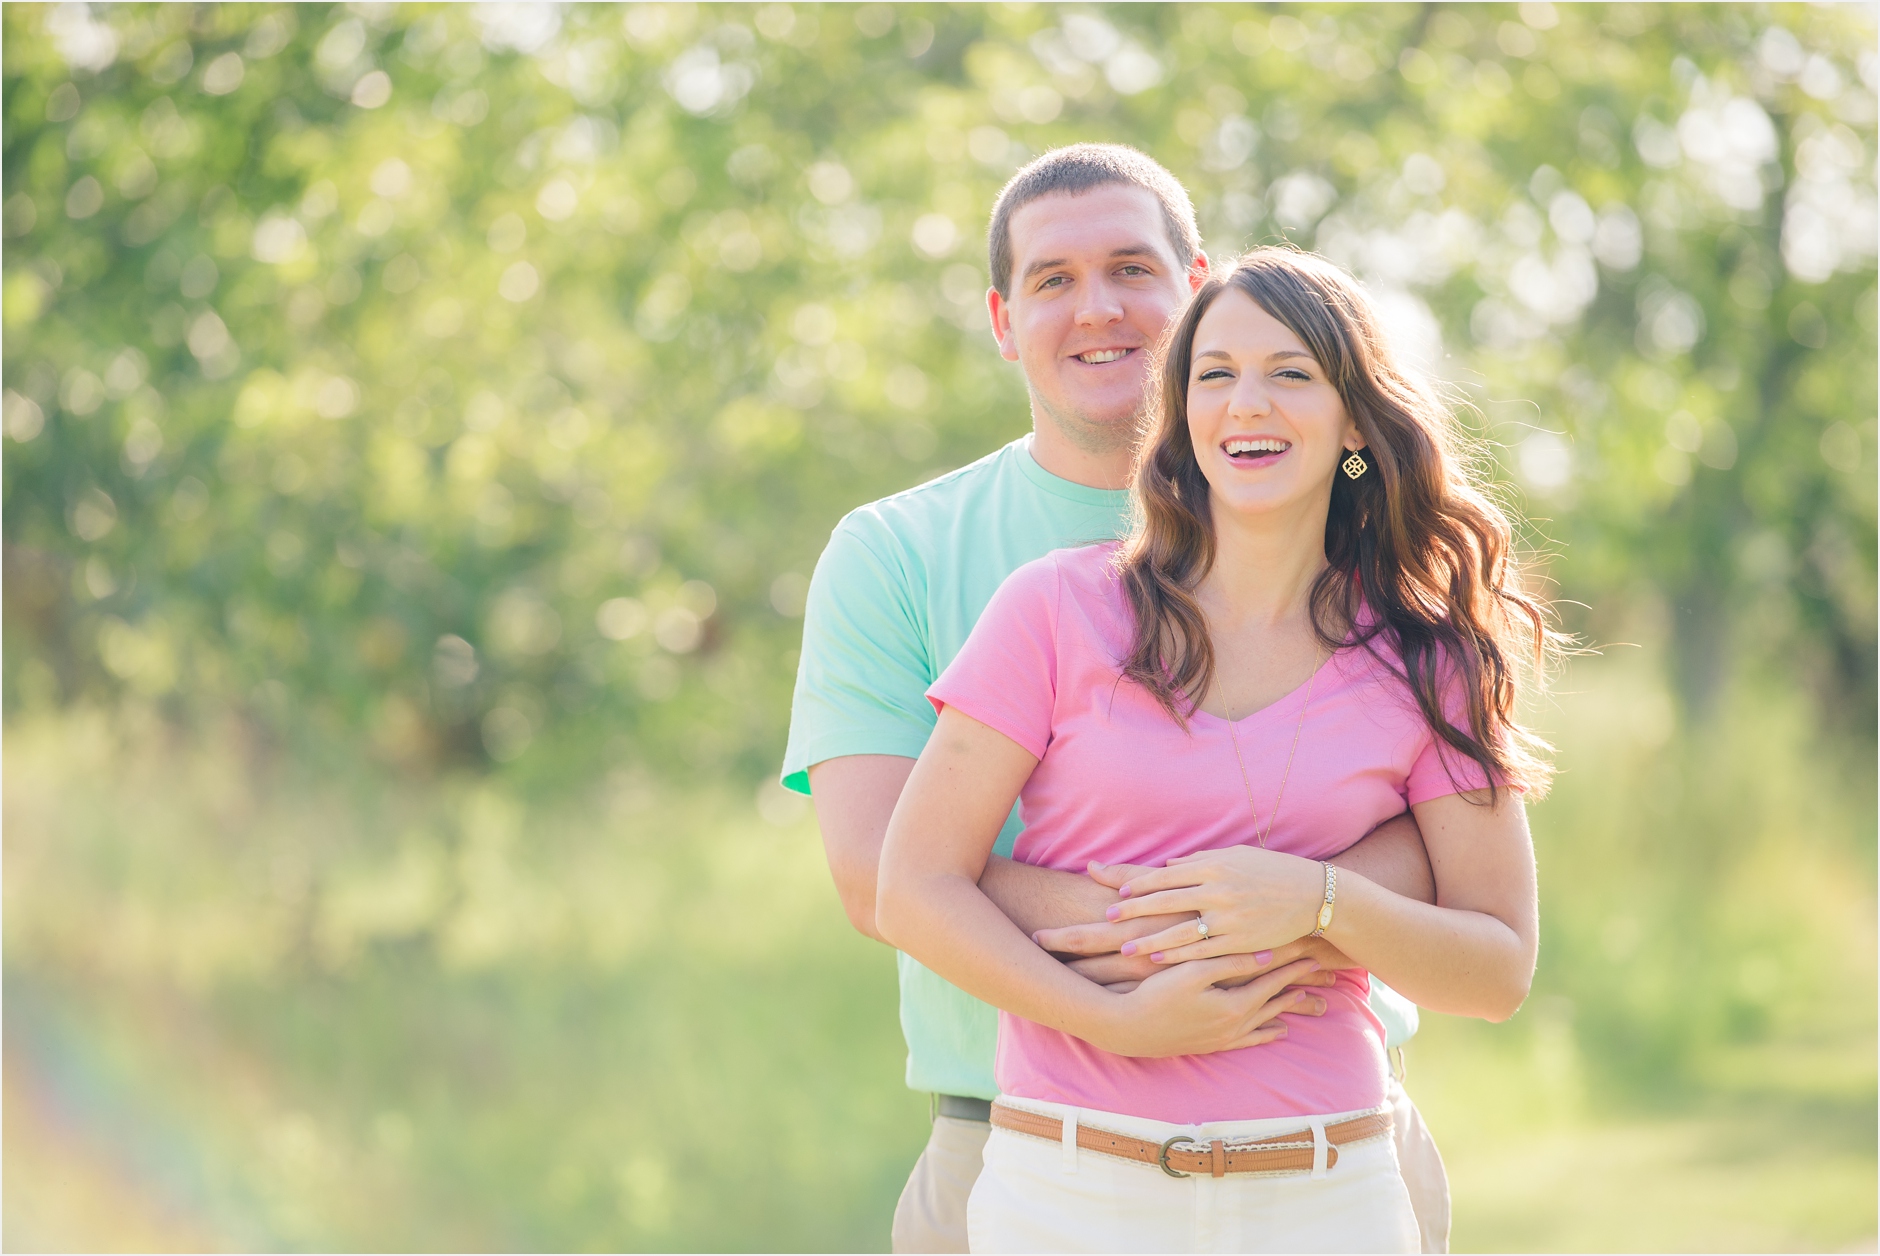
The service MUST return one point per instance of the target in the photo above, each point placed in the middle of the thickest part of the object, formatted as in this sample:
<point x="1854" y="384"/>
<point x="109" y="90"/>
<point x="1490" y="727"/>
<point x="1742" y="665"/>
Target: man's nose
<point x="1100" y="305"/>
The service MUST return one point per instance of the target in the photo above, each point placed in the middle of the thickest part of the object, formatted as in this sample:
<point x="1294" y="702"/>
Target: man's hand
<point x="1391" y="854"/>
<point x="1190" y="1009"/>
<point x="1113" y="969"/>
<point x="1104" y="937"/>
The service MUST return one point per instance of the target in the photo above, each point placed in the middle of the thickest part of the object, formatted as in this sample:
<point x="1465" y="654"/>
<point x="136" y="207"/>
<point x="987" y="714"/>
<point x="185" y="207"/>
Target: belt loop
<point x="1319" y="1148"/>
<point x="1217" y="1157"/>
<point x="1070" y="1139"/>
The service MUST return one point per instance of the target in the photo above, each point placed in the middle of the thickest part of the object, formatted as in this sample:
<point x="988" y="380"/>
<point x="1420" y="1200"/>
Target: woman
<point x="1315" y="623"/>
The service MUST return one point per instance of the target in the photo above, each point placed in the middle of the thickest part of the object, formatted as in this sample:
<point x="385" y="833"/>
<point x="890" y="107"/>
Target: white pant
<point x="1039" y="1196"/>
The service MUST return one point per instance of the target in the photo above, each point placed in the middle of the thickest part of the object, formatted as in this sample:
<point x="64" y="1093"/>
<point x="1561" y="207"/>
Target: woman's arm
<point x="1473" y="952"/>
<point x="1391" y="854"/>
<point x="855" y="794"/>
<point x="929" y="904"/>
<point x="1470" y="954"/>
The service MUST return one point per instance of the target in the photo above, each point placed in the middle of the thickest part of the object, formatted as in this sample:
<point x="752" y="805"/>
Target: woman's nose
<point x="1249" y="399"/>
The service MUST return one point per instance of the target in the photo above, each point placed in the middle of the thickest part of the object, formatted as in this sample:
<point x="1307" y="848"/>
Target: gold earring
<point x="1355" y="465"/>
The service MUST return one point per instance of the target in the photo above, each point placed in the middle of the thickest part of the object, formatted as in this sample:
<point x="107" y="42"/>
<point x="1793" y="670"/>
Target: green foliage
<point x="472" y="379"/>
<point x="306" y="1005"/>
<point x="397" y="393"/>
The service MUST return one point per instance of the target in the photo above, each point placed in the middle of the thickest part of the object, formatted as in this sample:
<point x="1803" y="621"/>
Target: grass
<point x="259" y="1002"/>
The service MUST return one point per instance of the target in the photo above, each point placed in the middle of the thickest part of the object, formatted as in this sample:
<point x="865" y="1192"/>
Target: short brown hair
<point x="1078" y="168"/>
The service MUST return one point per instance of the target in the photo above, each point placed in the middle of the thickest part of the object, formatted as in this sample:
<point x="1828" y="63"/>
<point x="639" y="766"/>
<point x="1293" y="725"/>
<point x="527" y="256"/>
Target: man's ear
<point x="1001" y="314"/>
<point x="1197" y="272"/>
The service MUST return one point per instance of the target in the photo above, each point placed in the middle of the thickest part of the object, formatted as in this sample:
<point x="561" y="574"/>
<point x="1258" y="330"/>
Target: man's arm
<point x="855" y="796"/>
<point x="1392" y="855"/>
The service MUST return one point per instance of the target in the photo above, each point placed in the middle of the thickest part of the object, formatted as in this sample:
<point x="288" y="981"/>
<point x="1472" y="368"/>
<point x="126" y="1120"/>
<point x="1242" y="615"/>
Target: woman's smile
<point x="1255" y="451"/>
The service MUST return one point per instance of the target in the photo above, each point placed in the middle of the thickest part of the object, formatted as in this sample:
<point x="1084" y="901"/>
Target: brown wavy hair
<point x="1417" y="551"/>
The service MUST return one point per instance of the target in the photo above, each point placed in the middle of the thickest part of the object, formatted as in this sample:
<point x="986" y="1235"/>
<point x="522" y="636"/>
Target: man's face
<point x="1095" y="281"/>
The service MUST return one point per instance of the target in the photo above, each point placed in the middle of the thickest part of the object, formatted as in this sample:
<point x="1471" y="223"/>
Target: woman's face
<point x="1268" y="428"/>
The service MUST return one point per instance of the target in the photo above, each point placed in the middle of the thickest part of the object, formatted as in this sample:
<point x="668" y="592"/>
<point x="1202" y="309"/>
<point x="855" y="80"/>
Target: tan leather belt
<point x="1283" y="1153"/>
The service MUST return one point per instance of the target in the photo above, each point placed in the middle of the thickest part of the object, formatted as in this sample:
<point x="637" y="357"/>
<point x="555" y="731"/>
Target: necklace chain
<point x="1234" y="733"/>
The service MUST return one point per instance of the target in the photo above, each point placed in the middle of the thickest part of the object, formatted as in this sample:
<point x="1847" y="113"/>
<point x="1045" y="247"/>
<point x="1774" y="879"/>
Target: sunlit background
<point x="420" y="424"/>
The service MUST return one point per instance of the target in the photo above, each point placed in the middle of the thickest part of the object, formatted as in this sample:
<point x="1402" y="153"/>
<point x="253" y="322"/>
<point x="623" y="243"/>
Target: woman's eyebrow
<point x="1271" y="357"/>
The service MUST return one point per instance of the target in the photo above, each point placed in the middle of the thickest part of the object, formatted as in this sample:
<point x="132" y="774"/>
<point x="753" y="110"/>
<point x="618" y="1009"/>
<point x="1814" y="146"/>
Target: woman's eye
<point x="1218" y="372"/>
<point x="1294" y="373"/>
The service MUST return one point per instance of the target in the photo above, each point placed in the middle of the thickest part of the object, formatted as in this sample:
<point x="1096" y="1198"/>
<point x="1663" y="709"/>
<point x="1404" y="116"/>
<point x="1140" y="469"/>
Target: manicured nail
<point x="1036" y="936"/>
<point x="1111" y="913"/>
<point x="1262" y="957"/>
<point x="1095" y="865"/>
<point x="1313" y="966"/>
<point x="1129" y="948"/>
<point x="1123" y="893"/>
<point x="1156" y="958"/>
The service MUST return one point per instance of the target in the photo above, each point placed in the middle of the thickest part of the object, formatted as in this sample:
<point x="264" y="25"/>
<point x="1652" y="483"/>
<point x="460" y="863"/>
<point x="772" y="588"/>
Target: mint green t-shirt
<point x="895" y="595"/>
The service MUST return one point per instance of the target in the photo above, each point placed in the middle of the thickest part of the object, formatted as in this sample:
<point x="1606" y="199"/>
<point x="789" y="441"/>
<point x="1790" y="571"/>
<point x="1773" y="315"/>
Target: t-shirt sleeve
<point x="862" y="678"/>
<point x="1440" y="769"/>
<point x="1005" y="676"/>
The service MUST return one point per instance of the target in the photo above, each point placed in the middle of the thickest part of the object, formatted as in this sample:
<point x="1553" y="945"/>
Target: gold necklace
<point x="1234" y="733"/>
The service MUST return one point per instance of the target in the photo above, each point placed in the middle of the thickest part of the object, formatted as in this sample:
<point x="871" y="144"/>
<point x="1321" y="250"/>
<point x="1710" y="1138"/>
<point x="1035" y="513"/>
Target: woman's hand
<point x="1252" y="901"/>
<point x="1184" y="1010"/>
<point x="1112" y="970"/>
<point x="1105" y="937"/>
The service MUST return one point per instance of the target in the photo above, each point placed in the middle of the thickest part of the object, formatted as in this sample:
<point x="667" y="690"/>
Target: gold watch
<point x="1331" y="897"/>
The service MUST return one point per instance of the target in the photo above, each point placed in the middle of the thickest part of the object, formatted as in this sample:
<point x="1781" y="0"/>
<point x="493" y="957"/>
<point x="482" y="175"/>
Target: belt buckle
<point x="1162" y="1159"/>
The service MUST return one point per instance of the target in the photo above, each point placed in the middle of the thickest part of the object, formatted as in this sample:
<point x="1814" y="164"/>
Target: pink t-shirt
<point x="1119" y="781"/>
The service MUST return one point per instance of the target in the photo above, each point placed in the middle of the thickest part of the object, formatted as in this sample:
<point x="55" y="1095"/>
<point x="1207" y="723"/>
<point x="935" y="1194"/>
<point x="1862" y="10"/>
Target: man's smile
<point x="1097" y="357"/>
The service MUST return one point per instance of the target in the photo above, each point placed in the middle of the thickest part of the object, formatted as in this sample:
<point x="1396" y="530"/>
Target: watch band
<point x="1331" y="897"/>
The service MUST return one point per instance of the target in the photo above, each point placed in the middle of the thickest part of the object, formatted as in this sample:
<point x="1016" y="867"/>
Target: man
<point x="1094" y="250"/>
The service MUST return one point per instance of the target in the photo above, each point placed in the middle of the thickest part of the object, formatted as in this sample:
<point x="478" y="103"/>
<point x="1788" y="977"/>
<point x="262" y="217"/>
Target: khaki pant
<point x="931" y="1216"/>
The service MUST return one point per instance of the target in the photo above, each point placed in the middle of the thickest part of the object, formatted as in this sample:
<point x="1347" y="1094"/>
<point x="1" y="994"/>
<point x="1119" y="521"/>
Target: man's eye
<point x="1134" y="270"/>
<point x="1053" y="282"/>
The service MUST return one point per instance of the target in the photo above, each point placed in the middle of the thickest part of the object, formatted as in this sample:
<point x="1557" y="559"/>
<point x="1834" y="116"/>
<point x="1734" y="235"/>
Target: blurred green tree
<point x="477" y="386"/>
<point x="473" y="379"/>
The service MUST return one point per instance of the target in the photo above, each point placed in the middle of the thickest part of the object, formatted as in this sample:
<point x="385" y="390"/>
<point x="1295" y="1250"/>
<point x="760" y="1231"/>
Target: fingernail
<point x="1112" y="912"/>
<point x="1036" y="936"/>
<point x="1281" y="1033"/>
<point x="1156" y="957"/>
<point x="1129" y="948"/>
<point x="1262" y="957"/>
<point x="1123" y="893"/>
<point x="1095" y="865"/>
<point x="1313" y="966"/>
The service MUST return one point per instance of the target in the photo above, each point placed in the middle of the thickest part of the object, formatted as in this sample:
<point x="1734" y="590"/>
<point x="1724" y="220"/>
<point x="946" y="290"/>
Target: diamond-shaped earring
<point x="1355" y="465"/>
